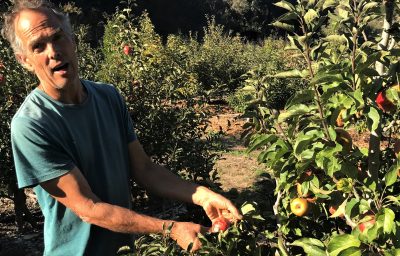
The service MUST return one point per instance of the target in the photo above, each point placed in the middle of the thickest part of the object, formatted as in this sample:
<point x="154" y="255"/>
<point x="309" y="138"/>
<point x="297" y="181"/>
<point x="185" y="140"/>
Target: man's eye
<point x="38" y="47"/>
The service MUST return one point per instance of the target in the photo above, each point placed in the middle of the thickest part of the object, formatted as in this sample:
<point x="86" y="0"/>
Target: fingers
<point x="234" y="211"/>
<point x="196" y="245"/>
<point x="186" y="233"/>
<point x="215" y="209"/>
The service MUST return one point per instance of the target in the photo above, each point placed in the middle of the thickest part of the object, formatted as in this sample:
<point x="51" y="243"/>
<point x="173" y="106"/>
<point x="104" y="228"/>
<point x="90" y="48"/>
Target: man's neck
<point x="74" y="94"/>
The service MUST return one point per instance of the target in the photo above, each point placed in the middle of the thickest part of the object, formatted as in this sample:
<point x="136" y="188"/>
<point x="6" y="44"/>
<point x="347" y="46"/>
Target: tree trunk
<point x="22" y="212"/>
<point x="375" y="137"/>
<point x="387" y="24"/>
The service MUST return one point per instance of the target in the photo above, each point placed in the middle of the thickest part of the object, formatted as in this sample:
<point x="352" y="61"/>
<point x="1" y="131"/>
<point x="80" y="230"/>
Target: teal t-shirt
<point x="50" y="138"/>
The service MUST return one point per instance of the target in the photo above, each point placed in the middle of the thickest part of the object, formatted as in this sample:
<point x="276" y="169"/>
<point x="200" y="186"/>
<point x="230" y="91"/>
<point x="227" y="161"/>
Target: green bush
<point x="240" y="99"/>
<point x="16" y="84"/>
<point x="220" y="61"/>
<point x="350" y="189"/>
<point x="89" y="58"/>
<point x="273" y="91"/>
<point x="159" y="94"/>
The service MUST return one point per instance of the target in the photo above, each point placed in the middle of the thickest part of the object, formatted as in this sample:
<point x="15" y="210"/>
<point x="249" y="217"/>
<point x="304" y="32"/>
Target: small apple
<point x="220" y="224"/>
<point x="333" y="208"/>
<point x="396" y="147"/>
<point x="383" y="102"/>
<point x="367" y="224"/>
<point x="299" y="206"/>
<point x="344" y="139"/>
<point x="127" y="50"/>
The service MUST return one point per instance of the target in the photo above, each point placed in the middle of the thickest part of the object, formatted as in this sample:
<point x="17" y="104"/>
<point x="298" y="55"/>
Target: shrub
<point x="15" y="85"/>
<point x="159" y="93"/>
<point x="350" y="190"/>
<point x="219" y="61"/>
<point x="89" y="58"/>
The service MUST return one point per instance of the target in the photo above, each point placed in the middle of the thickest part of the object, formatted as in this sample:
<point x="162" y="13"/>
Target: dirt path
<point x="237" y="169"/>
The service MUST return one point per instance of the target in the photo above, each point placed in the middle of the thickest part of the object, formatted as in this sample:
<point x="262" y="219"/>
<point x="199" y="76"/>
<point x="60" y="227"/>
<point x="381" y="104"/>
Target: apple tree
<point x="349" y="191"/>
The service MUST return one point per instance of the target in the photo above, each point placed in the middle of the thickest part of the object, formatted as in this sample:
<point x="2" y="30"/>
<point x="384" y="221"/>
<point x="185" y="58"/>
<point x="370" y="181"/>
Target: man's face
<point x="48" y="50"/>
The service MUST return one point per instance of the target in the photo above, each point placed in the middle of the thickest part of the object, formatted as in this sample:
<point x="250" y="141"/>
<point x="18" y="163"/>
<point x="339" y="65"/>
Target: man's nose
<point x="54" y="51"/>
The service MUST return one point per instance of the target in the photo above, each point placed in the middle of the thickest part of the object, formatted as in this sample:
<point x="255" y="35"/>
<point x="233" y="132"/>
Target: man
<point x="73" y="141"/>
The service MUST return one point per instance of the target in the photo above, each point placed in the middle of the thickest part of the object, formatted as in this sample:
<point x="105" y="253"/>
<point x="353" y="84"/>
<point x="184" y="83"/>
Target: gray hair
<point x="8" y="30"/>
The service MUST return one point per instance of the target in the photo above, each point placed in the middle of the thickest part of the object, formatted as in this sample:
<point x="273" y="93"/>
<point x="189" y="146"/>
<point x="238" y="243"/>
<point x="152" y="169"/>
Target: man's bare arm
<point x="159" y="180"/>
<point x="73" y="191"/>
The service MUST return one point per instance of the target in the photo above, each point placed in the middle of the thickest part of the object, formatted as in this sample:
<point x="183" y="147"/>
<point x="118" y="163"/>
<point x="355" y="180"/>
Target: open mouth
<point x="61" y="68"/>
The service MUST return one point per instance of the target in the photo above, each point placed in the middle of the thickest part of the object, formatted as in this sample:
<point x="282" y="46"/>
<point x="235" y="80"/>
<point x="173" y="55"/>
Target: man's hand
<point x="185" y="233"/>
<point x="215" y="205"/>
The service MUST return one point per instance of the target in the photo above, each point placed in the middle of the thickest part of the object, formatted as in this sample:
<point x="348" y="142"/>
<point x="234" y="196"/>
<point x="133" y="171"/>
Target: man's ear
<point x="23" y="60"/>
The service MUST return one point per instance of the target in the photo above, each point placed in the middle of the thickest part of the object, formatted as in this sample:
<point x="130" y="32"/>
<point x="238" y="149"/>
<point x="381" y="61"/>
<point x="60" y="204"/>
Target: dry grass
<point x="237" y="170"/>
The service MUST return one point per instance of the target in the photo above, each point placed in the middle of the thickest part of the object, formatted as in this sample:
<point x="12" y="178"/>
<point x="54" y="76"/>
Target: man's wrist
<point x="167" y="228"/>
<point x="201" y="195"/>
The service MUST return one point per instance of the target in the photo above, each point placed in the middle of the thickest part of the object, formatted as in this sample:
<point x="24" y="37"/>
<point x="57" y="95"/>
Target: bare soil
<point x="29" y="240"/>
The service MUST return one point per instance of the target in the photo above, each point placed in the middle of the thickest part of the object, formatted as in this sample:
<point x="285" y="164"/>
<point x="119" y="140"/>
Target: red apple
<point x="220" y="224"/>
<point x="364" y="225"/>
<point x="396" y="147"/>
<point x="368" y="223"/>
<point x="333" y="209"/>
<point x="127" y="50"/>
<point x="384" y="103"/>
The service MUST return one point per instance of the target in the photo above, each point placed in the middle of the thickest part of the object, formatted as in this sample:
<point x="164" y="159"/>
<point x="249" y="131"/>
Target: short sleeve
<point x="128" y="123"/>
<point x="37" y="156"/>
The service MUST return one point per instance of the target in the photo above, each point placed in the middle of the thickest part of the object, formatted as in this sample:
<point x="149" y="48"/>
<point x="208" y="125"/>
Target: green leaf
<point x="310" y="16"/>
<point x="393" y="199"/>
<point x="340" y="210"/>
<point x="283" y="25"/>
<point x="293" y="111"/>
<point x="391" y="175"/>
<point x="393" y="94"/>
<point x="340" y="243"/>
<point x="329" y="3"/>
<point x="369" y="6"/>
<point x="301" y="97"/>
<point x="373" y="118"/>
<point x="352" y="208"/>
<point x="303" y="142"/>
<point x="261" y="140"/>
<point x="327" y="159"/>
<point x="387" y="219"/>
<point x="288" y="17"/>
<point x="289" y="74"/>
<point x="247" y="208"/>
<point x="341" y="39"/>
<point x="392" y="252"/>
<point x="286" y="5"/>
<point x="353" y="251"/>
<point x="326" y="78"/>
<point x="311" y="246"/>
